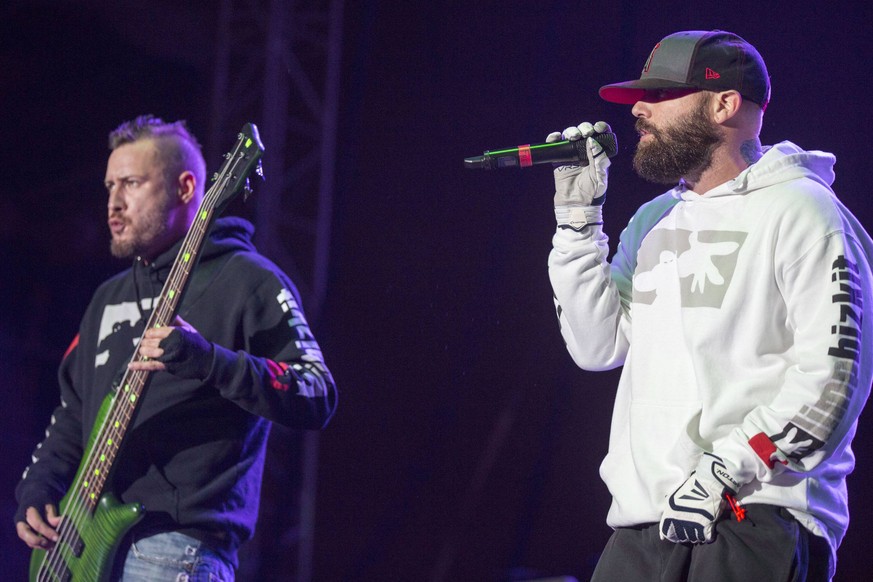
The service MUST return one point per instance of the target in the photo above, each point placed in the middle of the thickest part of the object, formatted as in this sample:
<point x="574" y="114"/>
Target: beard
<point x="143" y="233"/>
<point x="682" y="150"/>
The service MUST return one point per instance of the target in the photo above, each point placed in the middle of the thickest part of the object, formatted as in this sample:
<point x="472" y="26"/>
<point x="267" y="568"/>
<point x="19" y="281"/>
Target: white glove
<point x="694" y="507"/>
<point x="581" y="185"/>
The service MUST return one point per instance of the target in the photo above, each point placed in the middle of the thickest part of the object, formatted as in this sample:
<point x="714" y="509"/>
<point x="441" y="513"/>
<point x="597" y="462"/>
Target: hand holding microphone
<point x="552" y="152"/>
<point x="581" y="156"/>
<point x="582" y="184"/>
<point x="580" y="188"/>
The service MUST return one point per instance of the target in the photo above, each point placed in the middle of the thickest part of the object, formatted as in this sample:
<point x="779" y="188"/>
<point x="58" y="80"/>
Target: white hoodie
<point x="736" y="315"/>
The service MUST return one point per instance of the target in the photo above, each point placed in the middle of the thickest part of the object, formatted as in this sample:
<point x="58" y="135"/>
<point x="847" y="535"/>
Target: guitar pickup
<point x="77" y="546"/>
<point x="59" y="570"/>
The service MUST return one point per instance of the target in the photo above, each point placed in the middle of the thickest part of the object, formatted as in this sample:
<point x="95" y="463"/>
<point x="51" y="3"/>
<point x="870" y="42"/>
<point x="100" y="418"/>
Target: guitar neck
<point x="107" y="441"/>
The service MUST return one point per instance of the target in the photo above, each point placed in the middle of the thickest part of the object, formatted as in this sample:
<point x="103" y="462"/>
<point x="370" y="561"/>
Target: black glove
<point x="187" y="354"/>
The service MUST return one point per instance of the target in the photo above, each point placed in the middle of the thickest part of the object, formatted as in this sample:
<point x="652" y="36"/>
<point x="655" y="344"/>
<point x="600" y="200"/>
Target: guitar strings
<point x="122" y="406"/>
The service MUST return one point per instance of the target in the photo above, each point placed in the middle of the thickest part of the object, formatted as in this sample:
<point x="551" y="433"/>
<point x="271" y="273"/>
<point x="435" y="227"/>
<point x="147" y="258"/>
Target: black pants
<point x="768" y="545"/>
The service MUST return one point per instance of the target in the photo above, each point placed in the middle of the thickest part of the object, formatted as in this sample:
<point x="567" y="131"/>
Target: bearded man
<point x="735" y="302"/>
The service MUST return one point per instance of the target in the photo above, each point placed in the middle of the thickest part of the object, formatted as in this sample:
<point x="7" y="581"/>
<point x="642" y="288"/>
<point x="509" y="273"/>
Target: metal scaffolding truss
<point x="277" y="65"/>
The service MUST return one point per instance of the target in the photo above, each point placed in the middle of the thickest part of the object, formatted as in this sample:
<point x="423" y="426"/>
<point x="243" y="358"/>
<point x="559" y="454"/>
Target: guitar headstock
<point x="233" y="177"/>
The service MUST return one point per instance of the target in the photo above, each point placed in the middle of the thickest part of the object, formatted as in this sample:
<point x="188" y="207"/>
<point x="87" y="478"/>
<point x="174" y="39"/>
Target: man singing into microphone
<point x="739" y="303"/>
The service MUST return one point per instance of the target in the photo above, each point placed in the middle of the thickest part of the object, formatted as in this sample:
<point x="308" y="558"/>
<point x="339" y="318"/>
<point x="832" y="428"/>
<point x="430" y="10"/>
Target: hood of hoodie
<point x="779" y="163"/>
<point x="226" y="235"/>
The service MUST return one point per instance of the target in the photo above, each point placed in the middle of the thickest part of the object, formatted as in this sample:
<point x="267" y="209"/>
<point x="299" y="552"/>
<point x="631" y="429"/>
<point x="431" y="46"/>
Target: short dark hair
<point x="177" y="147"/>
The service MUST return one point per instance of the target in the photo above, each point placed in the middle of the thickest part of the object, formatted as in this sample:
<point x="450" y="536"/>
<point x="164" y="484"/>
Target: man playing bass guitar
<point x="237" y="354"/>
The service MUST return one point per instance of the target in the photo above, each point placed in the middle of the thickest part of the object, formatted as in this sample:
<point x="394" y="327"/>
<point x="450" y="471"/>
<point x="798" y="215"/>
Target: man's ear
<point x="725" y="105"/>
<point x="186" y="186"/>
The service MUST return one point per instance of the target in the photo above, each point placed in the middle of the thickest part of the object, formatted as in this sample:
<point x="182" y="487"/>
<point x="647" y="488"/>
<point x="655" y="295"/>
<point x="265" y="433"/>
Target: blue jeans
<point x="174" y="557"/>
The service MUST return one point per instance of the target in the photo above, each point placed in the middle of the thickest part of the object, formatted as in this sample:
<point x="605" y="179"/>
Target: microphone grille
<point x="608" y="141"/>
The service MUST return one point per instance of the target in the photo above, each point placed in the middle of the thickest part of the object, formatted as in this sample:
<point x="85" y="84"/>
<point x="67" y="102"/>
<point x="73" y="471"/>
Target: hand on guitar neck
<point x="178" y="349"/>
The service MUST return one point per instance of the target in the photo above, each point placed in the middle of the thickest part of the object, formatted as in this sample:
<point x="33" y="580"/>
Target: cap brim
<point x="630" y="92"/>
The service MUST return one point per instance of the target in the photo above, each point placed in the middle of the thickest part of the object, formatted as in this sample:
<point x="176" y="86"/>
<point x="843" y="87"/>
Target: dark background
<point x="466" y="445"/>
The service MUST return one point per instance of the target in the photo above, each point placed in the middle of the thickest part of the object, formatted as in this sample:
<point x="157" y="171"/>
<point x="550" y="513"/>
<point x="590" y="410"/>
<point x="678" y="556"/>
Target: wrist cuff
<point x="577" y="217"/>
<point x="720" y="469"/>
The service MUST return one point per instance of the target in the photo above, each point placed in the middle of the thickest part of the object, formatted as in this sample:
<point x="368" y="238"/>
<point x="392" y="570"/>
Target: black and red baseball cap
<point x="713" y="60"/>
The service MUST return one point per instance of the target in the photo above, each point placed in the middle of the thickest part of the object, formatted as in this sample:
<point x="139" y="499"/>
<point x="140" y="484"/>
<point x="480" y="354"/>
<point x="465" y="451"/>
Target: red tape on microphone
<point x="524" y="158"/>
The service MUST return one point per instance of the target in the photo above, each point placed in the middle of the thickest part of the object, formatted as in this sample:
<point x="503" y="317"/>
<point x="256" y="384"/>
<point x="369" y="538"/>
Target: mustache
<point x="644" y="126"/>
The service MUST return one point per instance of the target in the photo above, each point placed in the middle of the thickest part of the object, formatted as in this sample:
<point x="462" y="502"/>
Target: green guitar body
<point x="100" y="532"/>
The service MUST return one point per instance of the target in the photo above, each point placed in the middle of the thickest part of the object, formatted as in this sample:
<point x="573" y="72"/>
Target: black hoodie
<point x="195" y="455"/>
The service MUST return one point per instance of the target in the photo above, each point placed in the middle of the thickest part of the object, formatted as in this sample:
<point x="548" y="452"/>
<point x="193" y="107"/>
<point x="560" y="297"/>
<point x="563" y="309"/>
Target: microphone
<point x="555" y="152"/>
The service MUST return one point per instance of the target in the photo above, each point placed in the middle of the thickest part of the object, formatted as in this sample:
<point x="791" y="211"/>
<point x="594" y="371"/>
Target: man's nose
<point x="116" y="199"/>
<point x="640" y="109"/>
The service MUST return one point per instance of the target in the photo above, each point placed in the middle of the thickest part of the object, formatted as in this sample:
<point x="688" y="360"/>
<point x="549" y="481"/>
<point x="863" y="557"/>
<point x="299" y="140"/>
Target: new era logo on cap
<point x="710" y="74"/>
